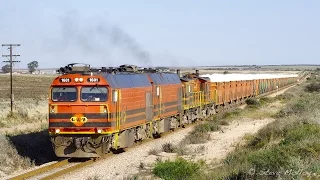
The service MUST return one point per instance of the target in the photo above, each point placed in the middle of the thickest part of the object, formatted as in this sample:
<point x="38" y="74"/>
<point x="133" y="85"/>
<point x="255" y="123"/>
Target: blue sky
<point x="169" y="33"/>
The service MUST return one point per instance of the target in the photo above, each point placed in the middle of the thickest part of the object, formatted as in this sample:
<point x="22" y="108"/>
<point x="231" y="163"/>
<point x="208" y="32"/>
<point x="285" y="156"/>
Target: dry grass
<point x="10" y="160"/>
<point x="24" y="112"/>
<point x="26" y="142"/>
<point x="30" y="99"/>
<point x="25" y="86"/>
<point x="154" y="151"/>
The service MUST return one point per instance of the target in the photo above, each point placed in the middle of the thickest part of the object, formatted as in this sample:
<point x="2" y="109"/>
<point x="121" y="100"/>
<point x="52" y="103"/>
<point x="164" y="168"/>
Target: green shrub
<point x="196" y="138"/>
<point x="257" y="142"/>
<point x="231" y="114"/>
<point x="273" y="159"/>
<point x="265" y="100"/>
<point x="252" y="101"/>
<point x="178" y="169"/>
<point x="200" y="134"/>
<point x="224" y="123"/>
<point x="301" y="132"/>
<point x="295" y="108"/>
<point x="285" y="96"/>
<point x="207" y="127"/>
<point x="313" y="87"/>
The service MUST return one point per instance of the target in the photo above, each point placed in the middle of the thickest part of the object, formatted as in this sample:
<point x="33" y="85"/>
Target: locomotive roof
<point x="129" y="80"/>
<point x="126" y="80"/>
<point x="164" y="78"/>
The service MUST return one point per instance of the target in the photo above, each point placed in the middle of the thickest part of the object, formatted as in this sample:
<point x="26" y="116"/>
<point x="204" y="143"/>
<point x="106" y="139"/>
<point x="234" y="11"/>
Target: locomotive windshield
<point x="64" y="94"/>
<point x="94" y="93"/>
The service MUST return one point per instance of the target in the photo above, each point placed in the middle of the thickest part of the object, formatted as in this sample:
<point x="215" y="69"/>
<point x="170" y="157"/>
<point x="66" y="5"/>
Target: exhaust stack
<point x="197" y="73"/>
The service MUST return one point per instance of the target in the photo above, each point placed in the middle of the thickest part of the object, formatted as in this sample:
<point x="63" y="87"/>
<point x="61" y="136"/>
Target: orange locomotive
<point x="94" y="111"/>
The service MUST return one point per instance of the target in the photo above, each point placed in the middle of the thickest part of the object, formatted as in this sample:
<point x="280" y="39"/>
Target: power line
<point x="11" y="61"/>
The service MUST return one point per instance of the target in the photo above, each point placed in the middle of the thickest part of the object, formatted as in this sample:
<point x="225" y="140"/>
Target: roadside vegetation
<point x="24" y="139"/>
<point x="286" y="148"/>
<point x="10" y="160"/>
<point x="170" y="169"/>
<point x="30" y="99"/>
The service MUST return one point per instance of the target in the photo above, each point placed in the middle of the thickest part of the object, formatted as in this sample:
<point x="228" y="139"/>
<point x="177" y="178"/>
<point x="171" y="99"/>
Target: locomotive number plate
<point x="93" y="80"/>
<point x="65" y="80"/>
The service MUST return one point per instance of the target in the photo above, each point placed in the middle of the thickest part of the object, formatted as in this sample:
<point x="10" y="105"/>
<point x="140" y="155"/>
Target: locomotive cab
<point x="79" y="104"/>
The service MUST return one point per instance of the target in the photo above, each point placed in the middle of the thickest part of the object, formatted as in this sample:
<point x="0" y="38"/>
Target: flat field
<point x="25" y="86"/>
<point x="30" y="101"/>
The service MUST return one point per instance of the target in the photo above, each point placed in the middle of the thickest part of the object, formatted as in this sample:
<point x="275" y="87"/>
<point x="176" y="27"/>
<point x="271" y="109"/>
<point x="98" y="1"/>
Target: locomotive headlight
<point x="57" y="131"/>
<point x="76" y="79"/>
<point x="53" y="109"/>
<point x="99" y="131"/>
<point x="81" y="79"/>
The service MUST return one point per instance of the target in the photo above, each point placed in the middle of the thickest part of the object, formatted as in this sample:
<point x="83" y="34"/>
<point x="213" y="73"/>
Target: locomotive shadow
<point x="36" y="146"/>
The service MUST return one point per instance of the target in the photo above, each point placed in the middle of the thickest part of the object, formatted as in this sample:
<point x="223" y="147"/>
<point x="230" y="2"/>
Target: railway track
<point x="54" y="170"/>
<point x="66" y="166"/>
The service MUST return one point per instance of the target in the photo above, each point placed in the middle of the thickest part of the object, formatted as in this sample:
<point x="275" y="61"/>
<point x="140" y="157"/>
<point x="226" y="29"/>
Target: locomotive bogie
<point x="81" y="145"/>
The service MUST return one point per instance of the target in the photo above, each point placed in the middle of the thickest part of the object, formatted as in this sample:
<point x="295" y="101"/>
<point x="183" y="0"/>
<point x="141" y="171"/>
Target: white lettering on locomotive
<point x="93" y="79"/>
<point x="65" y="80"/>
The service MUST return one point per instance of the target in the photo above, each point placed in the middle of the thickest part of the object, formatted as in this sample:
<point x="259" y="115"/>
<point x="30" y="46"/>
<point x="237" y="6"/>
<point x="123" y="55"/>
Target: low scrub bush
<point x="181" y="149"/>
<point x="23" y="113"/>
<point x="168" y="148"/>
<point x="273" y="159"/>
<point x="232" y="114"/>
<point x="10" y="160"/>
<point x="265" y="100"/>
<point x="200" y="134"/>
<point x="196" y="138"/>
<point x="178" y="169"/>
<point x="313" y="87"/>
<point x="296" y="107"/>
<point x="153" y="151"/>
<point x="224" y="123"/>
<point x="300" y="132"/>
<point x="252" y="102"/>
<point x="285" y="96"/>
<point x="207" y="127"/>
<point x="95" y="177"/>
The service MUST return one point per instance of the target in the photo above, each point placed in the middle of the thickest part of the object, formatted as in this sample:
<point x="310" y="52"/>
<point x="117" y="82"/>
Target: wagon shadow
<point x="36" y="146"/>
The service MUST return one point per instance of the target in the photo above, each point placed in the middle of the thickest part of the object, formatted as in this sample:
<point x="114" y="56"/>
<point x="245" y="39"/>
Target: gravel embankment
<point x="122" y="165"/>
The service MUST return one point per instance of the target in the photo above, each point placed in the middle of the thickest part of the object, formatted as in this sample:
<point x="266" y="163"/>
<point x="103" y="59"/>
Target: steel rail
<point x="41" y="170"/>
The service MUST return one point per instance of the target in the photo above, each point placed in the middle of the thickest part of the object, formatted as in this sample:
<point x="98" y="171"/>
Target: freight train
<point x="95" y="111"/>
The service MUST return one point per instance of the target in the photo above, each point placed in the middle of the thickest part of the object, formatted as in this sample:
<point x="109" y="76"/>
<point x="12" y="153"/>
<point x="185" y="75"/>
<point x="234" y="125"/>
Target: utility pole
<point x="11" y="61"/>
